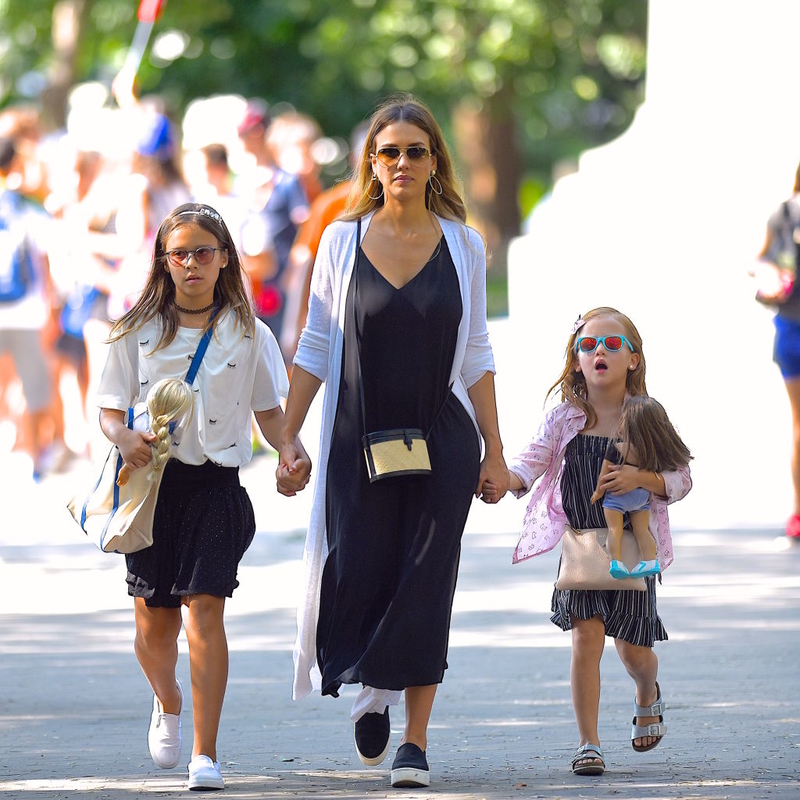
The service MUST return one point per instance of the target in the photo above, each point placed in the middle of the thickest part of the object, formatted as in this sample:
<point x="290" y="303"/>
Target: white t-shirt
<point x="239" y="374"/>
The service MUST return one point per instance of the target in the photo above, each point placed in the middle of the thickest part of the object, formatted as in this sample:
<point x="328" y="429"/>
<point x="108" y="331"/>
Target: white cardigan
<point x="320" y="353"/>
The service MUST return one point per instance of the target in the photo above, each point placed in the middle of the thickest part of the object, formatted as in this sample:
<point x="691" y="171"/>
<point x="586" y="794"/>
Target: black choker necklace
<point x="194" y="310"/>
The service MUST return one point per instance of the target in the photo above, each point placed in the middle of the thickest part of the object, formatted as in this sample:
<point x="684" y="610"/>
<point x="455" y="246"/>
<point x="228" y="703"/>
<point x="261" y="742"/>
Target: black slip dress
<point x="394" y="545"/>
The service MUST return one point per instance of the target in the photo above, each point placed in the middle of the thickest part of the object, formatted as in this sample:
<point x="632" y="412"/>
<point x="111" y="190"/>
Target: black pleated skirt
<point x="203" y="525"/>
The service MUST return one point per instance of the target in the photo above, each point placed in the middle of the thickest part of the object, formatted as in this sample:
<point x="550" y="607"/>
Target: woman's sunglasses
<point x="202" y="255"/>
<point x="389" y="156"/>
<point x="588" y="344"/>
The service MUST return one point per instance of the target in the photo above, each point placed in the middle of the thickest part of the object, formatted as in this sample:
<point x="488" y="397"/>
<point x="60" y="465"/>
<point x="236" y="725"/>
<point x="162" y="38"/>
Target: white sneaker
<point x="164" y="736"/>
<point x="205" y="774"/>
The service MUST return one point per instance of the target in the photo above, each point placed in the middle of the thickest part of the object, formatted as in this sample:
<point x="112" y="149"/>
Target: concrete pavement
<point x="74" y="706"/>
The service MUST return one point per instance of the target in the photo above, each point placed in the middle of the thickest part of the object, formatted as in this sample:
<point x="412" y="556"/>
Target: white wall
<point x="662" y="224"/>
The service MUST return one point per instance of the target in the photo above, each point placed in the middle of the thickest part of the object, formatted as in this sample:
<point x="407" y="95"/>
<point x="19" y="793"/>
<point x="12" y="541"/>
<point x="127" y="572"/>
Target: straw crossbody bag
<point x="585" y="560"/>
<point x="119" y="519"/>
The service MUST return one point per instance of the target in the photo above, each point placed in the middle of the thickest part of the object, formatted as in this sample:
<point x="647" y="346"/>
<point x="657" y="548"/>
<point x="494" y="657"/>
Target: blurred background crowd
<point x="112" y="112"/>
<point x="94" y="196"/>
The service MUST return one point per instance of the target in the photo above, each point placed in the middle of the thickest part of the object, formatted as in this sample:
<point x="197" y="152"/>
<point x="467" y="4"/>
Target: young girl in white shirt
<point x="604" y="365"/>
<point x="204" y="520"/>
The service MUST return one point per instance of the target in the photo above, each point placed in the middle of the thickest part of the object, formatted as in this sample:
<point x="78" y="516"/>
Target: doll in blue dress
<point x="648" y="441"/>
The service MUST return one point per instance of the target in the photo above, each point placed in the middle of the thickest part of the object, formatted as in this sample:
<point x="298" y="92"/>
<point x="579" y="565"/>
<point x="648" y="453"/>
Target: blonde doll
<point x="167" y="403"/>
<point x="646" y="440"/>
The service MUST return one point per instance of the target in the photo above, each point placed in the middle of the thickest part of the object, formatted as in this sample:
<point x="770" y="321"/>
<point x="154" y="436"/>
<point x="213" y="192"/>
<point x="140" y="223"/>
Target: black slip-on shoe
<point x="372" y="732"/>
<point x="410" y="767"/>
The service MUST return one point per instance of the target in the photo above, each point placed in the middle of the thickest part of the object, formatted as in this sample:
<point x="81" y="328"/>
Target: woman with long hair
<point x="397" y="332"/>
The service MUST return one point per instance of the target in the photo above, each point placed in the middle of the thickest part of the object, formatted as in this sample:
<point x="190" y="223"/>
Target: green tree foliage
<point x="517" y="84"/>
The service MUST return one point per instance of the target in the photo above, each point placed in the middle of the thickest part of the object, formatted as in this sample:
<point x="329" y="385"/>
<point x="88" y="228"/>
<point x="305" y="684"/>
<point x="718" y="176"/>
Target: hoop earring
<point x="380" y="194"/>
<point x="433" y="178"/>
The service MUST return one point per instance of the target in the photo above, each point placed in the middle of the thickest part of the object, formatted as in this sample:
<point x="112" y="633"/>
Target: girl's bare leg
<point x="641" y="663"/>
<point x="208" y="658"/>
<point x="588" y="640"/>
<point x="156" y="647"/>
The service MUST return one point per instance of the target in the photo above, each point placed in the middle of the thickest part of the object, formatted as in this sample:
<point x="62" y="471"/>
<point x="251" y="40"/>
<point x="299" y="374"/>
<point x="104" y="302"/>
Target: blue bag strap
<point x="201" y="350"/>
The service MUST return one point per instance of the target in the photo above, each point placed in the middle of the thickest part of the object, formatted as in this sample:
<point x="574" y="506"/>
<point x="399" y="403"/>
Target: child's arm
<point x="599" y="490"/>
<point x="672" y="485"/>
<point x="302" y="390"/>
<point x="677" y="484"/>
<point x="538" y="455"/>
<point x="294" y="477"/>
<point x="134" y="446"/>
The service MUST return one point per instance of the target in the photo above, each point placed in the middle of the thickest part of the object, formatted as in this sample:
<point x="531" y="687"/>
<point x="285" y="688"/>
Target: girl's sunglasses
<point x="202" y="255"/>
<point x="389" y="156"/>
<point x="588" y="344"/>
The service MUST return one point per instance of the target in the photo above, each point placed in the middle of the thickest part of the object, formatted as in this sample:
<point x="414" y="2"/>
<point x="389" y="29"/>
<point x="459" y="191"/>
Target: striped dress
<point x="628" y="615"/>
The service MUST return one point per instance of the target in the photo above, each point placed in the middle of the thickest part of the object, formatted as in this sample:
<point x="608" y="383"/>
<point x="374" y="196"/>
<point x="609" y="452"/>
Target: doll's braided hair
<point x="168" y="401"/>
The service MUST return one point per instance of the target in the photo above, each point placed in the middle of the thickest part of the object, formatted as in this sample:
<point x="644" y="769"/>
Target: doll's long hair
<point x="158" y="296"/>
<point x="169" y="400"/>
<point x="572" y="384"/>
<point x="646" y="429"/>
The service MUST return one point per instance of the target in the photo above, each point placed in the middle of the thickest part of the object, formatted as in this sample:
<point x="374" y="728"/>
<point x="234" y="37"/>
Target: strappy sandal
<point x="654" y="729"/>
<point x="592" y="756"/>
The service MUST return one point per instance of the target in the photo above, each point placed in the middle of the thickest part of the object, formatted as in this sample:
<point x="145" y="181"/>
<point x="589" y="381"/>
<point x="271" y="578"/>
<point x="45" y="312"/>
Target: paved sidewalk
<point x="74" y="706"/>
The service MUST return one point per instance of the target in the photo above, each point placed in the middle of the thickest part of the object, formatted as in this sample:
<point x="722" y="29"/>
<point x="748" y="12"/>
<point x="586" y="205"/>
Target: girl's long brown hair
<point x="572" y="384"/>
<point x="406" y="108"/>
<point x="645" y="427"/>
<point x="158" y="296"/>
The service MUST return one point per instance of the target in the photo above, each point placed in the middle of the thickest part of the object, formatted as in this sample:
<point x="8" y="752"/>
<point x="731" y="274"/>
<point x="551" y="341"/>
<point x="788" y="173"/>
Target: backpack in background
<point x="17" y="272"/>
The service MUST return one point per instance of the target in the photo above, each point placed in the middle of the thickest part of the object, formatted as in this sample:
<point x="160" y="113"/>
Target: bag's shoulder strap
<point x="358" y="334"/>
<point x="201" y="350"/>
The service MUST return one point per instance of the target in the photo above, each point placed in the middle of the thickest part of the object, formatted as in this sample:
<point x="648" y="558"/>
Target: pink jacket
<point x="545" y="519"/>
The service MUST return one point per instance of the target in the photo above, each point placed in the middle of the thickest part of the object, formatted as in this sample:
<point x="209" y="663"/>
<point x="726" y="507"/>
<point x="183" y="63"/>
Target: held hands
<point x="493" y="481"/>
<point x="294" y="468"/>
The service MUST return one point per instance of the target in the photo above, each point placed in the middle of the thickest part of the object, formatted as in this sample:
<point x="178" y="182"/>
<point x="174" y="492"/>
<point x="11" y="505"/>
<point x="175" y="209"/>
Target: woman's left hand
<point x="493" y="479"/>
<point x="619" y="479"/>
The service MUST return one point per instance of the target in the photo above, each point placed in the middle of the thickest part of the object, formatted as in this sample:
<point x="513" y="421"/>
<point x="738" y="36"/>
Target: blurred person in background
<point x="211" y="182"/>
<point x="26" y="302"/>
<point x="85" y="260"/>
<point x="291" y="137"/>
<point x="329" y="205"/>
<point x="154" y="188"/>
<point x="22" y="125"/>
<point x="282" y="206"/>
<point x="776" y="275"/>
